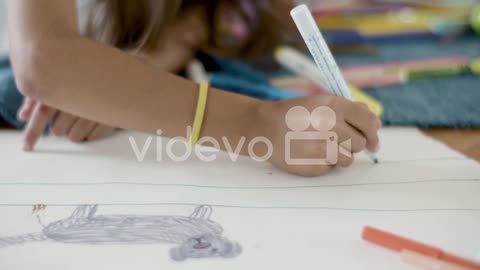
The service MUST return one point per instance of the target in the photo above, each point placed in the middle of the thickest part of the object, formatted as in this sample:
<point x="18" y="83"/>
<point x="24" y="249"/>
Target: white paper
<point x="421" y="189"/>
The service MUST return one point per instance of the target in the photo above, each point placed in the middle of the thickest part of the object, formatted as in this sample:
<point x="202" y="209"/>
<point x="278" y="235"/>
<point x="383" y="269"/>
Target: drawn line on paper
<point x="459" y="158"/>
<point x="196" y="236"/>
<point x="38" y="208"/>
<point x="263" y="207"/>
<point x="407" y="182"/>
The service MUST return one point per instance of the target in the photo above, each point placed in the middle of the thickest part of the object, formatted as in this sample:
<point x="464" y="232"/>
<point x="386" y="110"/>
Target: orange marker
<point x="427" y="262"/>
<point x="398" y="244"/>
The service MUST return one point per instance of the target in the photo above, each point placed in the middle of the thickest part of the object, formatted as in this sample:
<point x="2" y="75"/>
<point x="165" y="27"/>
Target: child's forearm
<point x="102" y="84"/>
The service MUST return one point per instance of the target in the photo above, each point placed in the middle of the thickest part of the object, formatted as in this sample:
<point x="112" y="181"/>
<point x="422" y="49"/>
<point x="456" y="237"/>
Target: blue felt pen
<point x="197" y="73"/>
<point x="239" y="86"/>
<point x="241" y="70"/>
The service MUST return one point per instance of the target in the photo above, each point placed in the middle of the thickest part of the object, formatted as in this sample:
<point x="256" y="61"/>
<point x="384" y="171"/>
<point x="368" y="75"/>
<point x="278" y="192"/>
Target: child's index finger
<point x="362" y="119"/>
<point x="38" y="121"/>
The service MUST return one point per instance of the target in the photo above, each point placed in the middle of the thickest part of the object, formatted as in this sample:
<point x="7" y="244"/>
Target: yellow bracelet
<point x="200" y="113"/>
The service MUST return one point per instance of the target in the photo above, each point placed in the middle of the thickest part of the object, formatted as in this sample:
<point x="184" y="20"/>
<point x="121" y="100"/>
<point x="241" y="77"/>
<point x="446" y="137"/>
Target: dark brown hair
<point x="138" y="24"/>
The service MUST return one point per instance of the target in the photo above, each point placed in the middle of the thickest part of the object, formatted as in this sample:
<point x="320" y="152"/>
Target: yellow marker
<point x="418" y="20"/>
<point x="475" y="18"/>
<point x="374" y="105"/>
<point x="475" y="66"/>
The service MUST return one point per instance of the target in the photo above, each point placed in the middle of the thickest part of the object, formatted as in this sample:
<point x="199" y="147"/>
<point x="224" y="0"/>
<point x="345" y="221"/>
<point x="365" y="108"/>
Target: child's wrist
<point x="263" y="121"/>
<point x="232" y="119"/>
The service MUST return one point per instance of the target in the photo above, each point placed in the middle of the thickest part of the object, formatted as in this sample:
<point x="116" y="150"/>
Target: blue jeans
<point x="10" y="97"/>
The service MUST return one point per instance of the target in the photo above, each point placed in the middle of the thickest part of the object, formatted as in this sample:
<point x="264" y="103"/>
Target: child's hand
<point x="63" y="125"/>
<point x="350" y="120"/>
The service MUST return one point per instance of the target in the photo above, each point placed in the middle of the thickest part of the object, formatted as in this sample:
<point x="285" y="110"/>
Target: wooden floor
<point x="466" y="141"/>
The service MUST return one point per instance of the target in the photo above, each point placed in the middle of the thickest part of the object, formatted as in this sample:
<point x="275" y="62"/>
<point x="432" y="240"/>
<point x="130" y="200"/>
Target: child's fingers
<point x="99" y="132"/>
<point x="25" y="111"/>
<point x="362" y="119"/>
<point x="310" y="170"/>
<point x="62" y="124"/>
<point x="346" y="132"/>
<point x="36" y="126"/>
<point x="80" y="130"/>
<point x="344" y="160"/>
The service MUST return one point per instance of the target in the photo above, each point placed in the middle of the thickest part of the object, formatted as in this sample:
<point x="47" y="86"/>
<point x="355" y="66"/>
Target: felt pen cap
<point x="397" y="243"/>
<point x="301" y="64"/>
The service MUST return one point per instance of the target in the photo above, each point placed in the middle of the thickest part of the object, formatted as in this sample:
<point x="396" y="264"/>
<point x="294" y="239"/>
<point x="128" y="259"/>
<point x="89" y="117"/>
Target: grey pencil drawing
<point x="196" y="236"/>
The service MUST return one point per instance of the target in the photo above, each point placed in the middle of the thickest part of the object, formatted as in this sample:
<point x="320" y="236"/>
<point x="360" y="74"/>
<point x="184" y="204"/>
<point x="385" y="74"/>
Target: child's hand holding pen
<point x="350" y="121"/>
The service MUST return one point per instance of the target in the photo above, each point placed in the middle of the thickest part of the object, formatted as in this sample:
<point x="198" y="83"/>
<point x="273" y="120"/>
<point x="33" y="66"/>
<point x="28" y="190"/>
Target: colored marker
<point x="436" y="72"/>
<point x="299" y="64"/>
<point x="321" y="54"/>
<point x="398" y="244"/>
<point x="261" y="91"/>
<point x="454" y="70"/>
<point x="349" y="37"/>
<point x="475" y="18"/>
<point x="427" y="262"/>
<point x="239" y="69"/>
<point x="475" y="67"/>
<point x="394" y="73"/>
<point x="197" y="73"/>
<point x="409" y="64"/>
